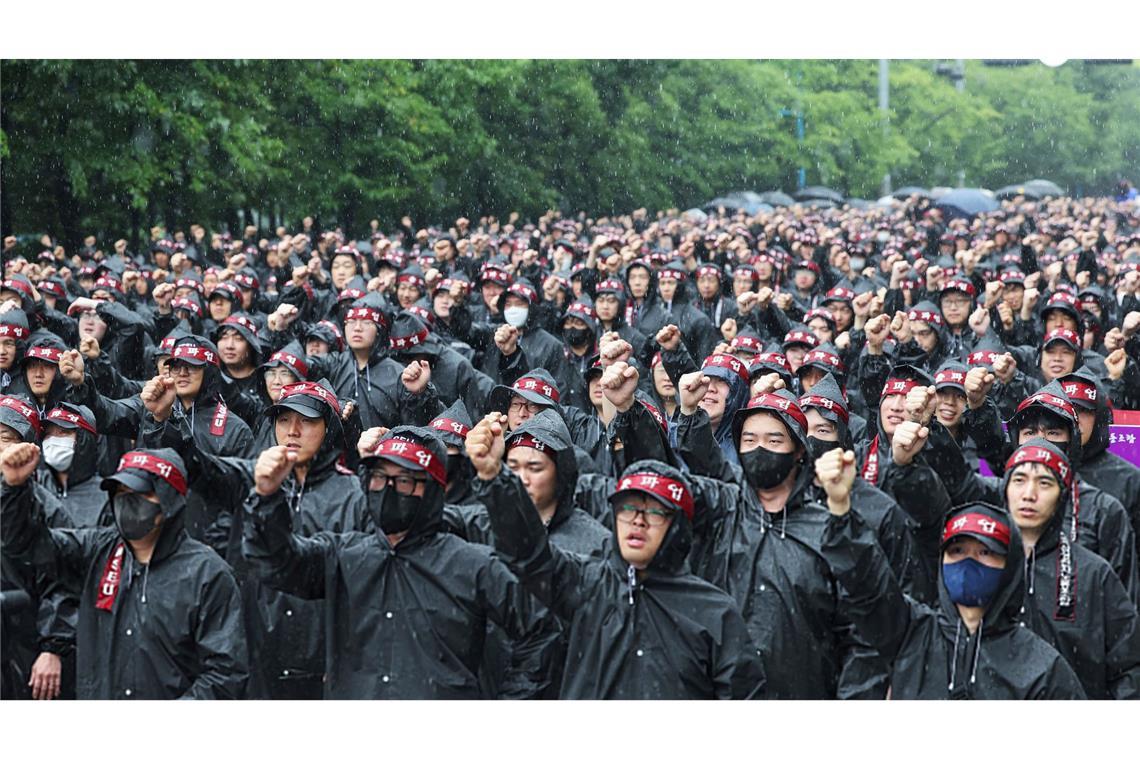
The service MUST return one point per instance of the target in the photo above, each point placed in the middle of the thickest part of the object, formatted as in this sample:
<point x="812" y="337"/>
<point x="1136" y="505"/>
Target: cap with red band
<point x="14" y="331"/>
<point x="747" y="343"/>
<point x="312" y="390"/>
<point x="665" y="490"/>
<point x="982" y="357"/>
<point x="708" y="271"/>
<point x="535" y="385"/>
<point x="60" y="415"/>
<point x="1030" y="454"/>
<point x="727" y="362"/>
<point x="295" y="362"/>
<point x="351" y="294"/>
<point x="898" y="386"/>
<point x="1062" y="334"/>
<point x="450" y="426"/>
<point x="950" y="377"/>
<point x="187" y="304"/>
<point x="991" y="531"/>
<point x="246" y="281"/>
<point x="825" y="403"/>
<point x="924" y="315"/>
<point x="840" y="294"/>
<point x="239" y="320"/>
<point x="1080" y="392"/>
<point x="407" y="450"/>
<point x="155" y="466"/>
<point x="44" y="353"/>
<point x="800" y="336"/>
<point x="825" y="358"/>
<point x="409" y="341"/>
<point x="1060" y="404"/>
<point x="779" y="404"/>
<point x="29" y="412"/>
<point x="671" y="274"/>
<point x="414" y="279"/>
<point x="773" y="357"/>
<point x="530" y="442"/>
<point x="195" y="353"/>
<point x="19" y="285"/>
<point x="494" y="274"/>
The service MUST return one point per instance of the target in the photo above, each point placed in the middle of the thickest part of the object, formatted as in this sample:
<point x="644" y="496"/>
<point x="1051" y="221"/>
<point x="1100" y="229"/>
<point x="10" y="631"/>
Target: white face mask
<point x="58" y="452"/>
<point x="515" y="316"/>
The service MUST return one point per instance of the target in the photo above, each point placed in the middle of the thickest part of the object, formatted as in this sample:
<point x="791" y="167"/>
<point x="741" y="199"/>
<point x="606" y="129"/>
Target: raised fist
<point x="669" y="338"/>
<point x="507" y="339"/>
<point x="908" y="440"/>
<point x="485" y="445"/>
<point x="369" y="440"/>
<point x="920" y="403"/>
<point x="877" y="330"/>
<point x="979" y="380"/>
<point x="615" y="351"/>
<point x="1005" y="367"/>
<point x="71" y="367"/>
<point x="764" y="297"/>
<point x="1114" y="339"/>
<point x="158" y="397"/>
<point x="1115" y="364"/>
<point x="618" y="385"/>
<point x="18" y="462"/>
<point x="784" y="301"/>
<point x="747" y="300"/>
<point x="861" y="304"/>
<point x="980" y="321"/>
<point x="835" y="471"/>
<point x="1131" y="323"/>
<point x="900" y="327"/>
<point x="163" y="295"/>
<point x="1006" y="315"/>
<point x="728" y="330"/>
<point x="273" y="466"/>
<point x="693" y="388"/>
<point x="416" y="376"/>
<point x="767" y="383"/>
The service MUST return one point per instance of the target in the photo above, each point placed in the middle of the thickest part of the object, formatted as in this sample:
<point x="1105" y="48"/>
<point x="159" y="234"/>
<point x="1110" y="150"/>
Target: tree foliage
<point x="111" y="147"/>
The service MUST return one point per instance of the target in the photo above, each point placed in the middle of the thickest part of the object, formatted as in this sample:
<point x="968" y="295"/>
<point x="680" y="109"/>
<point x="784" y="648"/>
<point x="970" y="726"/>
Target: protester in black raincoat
<point x="639" y="627"/>
<point x="14" y="335"/>
<point x="1074" y="599"/>
<point x="406" y="605"/>
<point x="70" y="458"/>
<point x="699" y="334"/>
<point x="159" y="613"/>
<point x="971" y="646"/>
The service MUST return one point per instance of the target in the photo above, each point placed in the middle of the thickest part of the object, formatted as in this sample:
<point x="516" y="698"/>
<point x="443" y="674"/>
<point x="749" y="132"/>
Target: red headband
<point x="1040" y="455"/>
<point x="408" y="341"/>
<point x="607" y="286"/>
<point x="842" y="294"/>
<point x="29" y="412"/>
<point x="44" y="353"/>
<point x="827" y="404"/>
<point x="667" y="489"/>
<point x="312" y="390"/>
<point x="16" y="331"/>
<point x="779" y="404"/>
<point x="19" y="285"/>
<point x="238" y="319"/>
<point x="530" y="442"/>
<point x="522" y="291"/>
<point x="707" y="270"/>
<point x="953" y="377"/>
<point x="410" y="451"/>
<point x="576" y="309"/>
<point x="188" y="305"/>
<point x="536" y="385"/>
<point x="496" y="275"/>
<point x="1050" y="400"/>
<point x="898" y="386"/>
<point x="773" y="357"/>
<point x="414" y="279"/>
<point x="799" y="336"/>
<point x="824" y="357"/>
<point x="975" y="523"/>
<point x="746" y="342"/>
<point x="60" y="413"/>
<point x="728" y="362"/>
<point x="1061" y="333"/>
<point x="922" y="315"/>
<point x="192" y="351"/>
<point x="450" y="426"/>
<point x="351" y="294"/>
<point x="982" y="357"/>
<point x="962" y="285"/>
<point x="181" y="282"/>
<point x="364" y="312"/>
<point x="671" y="274"/>
<point x="246" y="281"/>
<point x="1077" y="388"/>
<point x="136" y="460"/>
<point x="656" y="413"/>
<point x="293" y="361"/>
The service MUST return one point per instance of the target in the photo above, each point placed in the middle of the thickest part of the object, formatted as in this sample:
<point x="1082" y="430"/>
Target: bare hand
<point x="908" y="440"/>
<point x="71" y="367"/>
<point x="920" y="403"/>
<point x="1005" y="367"/>
<point x="615" y="351"/>
<point x="18" y="462"/>
<point x="978" y="382"/>
<point x="728" y="330"/>
<point x="1131" y="324"/>
<point x="416" y="376"/>
<point x="158" y="397"/>
<point x="46" y="672"/>
<point x="669" y="338"/>
<point x="835" y="471"/>
<point x="485" y="445"/>
<point x="767" y="384"/>
<point x="507" y="339"/>
<point x="980" y="321"/>
<point x="618" y="385"/>
<point x="693" y="387"/>
<point x="369" y="440"/>
<point x="273" y="466"/>
<point x="1115" y="364"/>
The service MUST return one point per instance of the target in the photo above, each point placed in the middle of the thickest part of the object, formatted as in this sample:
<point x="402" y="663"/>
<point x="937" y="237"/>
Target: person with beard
<point x="639" y="625"/>
<point x="286" y="633"/>
<point x="759" y="542"/>
<point x="971" y="645"/>
<point x="1097" y="465"/>
<point x="159" y="613"/>
<point x="407" y="605"/>
<point x="37" y="637"/>
<point x="1074" y="601"/>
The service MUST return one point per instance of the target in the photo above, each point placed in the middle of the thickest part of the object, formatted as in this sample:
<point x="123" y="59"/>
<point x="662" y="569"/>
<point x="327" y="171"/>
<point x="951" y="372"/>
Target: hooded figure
<point x="934" y="653"/>
<point x="542" y="349"/>
<point x="167" y="628"/>
<point x="698" y="333"/>
<point x="610" y="308"/>
<point x="1074" y="599"/>
<point x="70" y="465"/>
<point x="229" y="336"/>
<point x="14" y="335"/>
<point x="655" y="633"/>
<point x="408" y="604"/>
<point x="1097" y="465"/>
<point x="40" y="382"/>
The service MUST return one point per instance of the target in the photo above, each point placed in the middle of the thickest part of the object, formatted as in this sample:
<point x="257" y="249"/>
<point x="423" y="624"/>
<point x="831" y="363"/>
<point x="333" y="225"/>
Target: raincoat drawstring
<point x="1030" y="561"/>
<point x="977" y="652"/>
<point x="954" y="656"/>
<point x="146" y="577"/>
<point x="784" y="523"/>
<point x="631" y="575"/>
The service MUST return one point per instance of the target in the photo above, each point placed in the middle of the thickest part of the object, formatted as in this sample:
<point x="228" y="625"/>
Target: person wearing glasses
<point x="639" y="625"/>
<point x="407" y="603"/>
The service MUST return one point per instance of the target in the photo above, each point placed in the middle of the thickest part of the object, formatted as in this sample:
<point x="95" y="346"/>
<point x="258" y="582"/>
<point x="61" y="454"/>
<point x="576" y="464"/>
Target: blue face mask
<point x="970" y="583"/>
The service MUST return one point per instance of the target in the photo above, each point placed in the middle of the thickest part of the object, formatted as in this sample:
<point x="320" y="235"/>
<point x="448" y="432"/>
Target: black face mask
<point x="766" y="469"/>
<point x="394" y="512"/>
<point x="134" y="515"/>
<point x="576" y="336"/>
<point x="819" y="447"/>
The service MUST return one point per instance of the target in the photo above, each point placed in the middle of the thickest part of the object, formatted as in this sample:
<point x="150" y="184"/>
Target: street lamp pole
<point x="884" y="110"/>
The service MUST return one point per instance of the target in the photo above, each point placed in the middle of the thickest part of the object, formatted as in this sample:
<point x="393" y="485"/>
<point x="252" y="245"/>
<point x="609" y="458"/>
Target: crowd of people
<point x="814" y="453"/>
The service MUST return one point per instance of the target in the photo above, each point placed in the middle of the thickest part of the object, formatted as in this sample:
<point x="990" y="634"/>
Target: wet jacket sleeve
<point x="678" y="363"/>
<point x="121" y="418"/>
<point x="872" y="371"/>
<point x="220" y="642"/>
<point x="56" y="554"/>
<point x="701" y="452"/>
<point x="983" y="426"/>
<point x="284" y="560"/>
<point x="1122" y="640"/>
<point x="521" y="540"/>
<point x="642" y="437"/>
<point x="533" y="631"/>
<point x="738" y="666"/>
<point x="875" y="601"/>
<point x="1118" y="546"/>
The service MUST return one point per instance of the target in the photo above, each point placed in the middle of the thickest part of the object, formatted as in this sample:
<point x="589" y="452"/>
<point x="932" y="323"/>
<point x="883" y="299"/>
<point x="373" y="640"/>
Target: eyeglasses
<point x="519" y="404"/>
<point x="404" y="484"/>
<point x="653" y="516"/>
<point x="175" y="367"/>
<point x="280" y="375"/>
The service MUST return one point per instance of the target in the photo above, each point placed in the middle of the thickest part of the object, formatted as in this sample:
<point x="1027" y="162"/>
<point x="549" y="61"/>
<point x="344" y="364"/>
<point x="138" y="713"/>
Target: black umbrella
<point x="966" y="202"/>
<point x="777" y="198"/>
<point x="1045" y="188"/>
<point x="905" y="192"/>
<point x="1012" y="191"/>
<point x="820" y="193"/>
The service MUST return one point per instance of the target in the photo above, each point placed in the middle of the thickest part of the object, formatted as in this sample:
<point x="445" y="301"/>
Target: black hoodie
<point x="933" y="653"/>
<point x="165" y="630"/>
<point x="664" y="635"/>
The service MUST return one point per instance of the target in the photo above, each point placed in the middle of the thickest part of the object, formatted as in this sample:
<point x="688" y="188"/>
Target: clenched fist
<point x="89" y="347"/>
<point x="485" y="445"/>
<point x="272" y="467"/>
<point x="728" y="330"/>
<point x="618" y="385"/>
<point x="836" y="473"/>
<point x="921" y="402"/>
<point x="1115" y="364"/>
<point x="416" y="376"/>
<point x="669" y="338"/>
<point x="908" y="440"/>
<point x="71" y="367"/>
<point x="767" y="384"/>
<point x="158" y="397"/>
<point x="507" y="339"/>
<point x="978" y="382"/>
<point x="18" y="462"/>
<point x="693" y="387"/>
<point x="369" y="440"/>
<point x="1005" y="367"/>
<point x="615" y="351"/>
